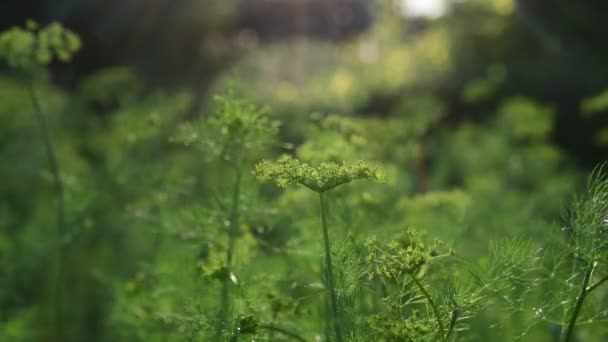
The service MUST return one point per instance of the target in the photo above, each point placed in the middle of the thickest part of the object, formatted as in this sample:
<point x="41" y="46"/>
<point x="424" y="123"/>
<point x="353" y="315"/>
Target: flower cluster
<point x="393" y="327"/>
<point x="30" y="47"/>
<point x="397" y="258"/>
<point x="326" y="176"/>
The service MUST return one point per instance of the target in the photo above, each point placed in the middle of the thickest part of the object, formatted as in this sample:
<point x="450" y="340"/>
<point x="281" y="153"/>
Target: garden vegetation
<point x="153" y="223"/>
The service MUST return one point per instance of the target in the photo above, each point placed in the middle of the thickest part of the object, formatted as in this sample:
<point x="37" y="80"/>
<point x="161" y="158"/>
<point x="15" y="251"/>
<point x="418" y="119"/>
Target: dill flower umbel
<point x="326" y="176"/>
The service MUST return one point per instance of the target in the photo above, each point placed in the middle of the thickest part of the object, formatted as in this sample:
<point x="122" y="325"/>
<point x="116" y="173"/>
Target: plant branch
<point x="432" y="304"/>
<point x="283" y="331"/>
<point x="452" y="325"/>
<point x="232" y="233"/>
<point x="597" y="284"/>
<point x="567" y="333"/>
<point x="60" y="209"/>
<point x="234" y="217"/>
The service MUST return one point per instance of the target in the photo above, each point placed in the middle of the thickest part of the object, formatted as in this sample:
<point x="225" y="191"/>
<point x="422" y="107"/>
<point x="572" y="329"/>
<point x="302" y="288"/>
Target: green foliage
<point x="587" y="220"/>
<point x="167" y="236"/>
<point x="237" y="128"/>
<point x="241" y="124"/>
<point x="592" y="105"/>
<point x="481" y="89"/>
<point x="110" y="87"/>
<point x="526" y="119"/>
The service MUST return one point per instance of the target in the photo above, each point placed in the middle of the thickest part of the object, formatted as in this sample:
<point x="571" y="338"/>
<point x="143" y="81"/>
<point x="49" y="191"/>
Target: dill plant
<point x="586" y="233"/>
<point x="234" y="131"/>
<point x="321" y="179"/>
<point x="406" y="257"/>
<point x="416" y="306"/>
<point x="28" y="51"/>
<point x="371" y="305"/>
<point x="554" y="282"/>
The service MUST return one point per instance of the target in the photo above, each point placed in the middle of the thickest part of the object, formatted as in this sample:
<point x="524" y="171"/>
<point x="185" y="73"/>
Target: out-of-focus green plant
<point x="594" y="104"/>
<point x="29" y="50"/>
<point x="592" y="108"/>
<point x="33" y="47"/>
<point x="235" y="129"/>
<point x="526" y="119"/>
<point x="110" y="88"/>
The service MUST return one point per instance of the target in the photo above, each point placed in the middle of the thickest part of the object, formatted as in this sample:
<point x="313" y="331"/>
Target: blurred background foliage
<point x="485" y="117"/>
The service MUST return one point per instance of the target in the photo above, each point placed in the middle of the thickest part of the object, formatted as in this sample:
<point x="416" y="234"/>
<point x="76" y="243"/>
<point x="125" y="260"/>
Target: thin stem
<point x="573" y="268"/>
<point x="234" y="217"/>
<point x="330" y="276"/>
<point x="232" y="233"/>
<point x="432" y="305"/>
<point x="283" y="331"/>
<point x="567" y="333"/>
<point x="60" y="209"/>
<point x="452" y="325"/>
<point x="271" y="332"/>
<point x="326" y="307"/>
<point x="597" y="284"/>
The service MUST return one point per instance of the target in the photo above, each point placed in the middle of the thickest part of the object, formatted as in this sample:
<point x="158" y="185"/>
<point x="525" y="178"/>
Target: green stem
<point x="330" y="276"/>
<point x="432" y="305"/>
<point x="448" y="335"/>
<point x="596" y="284"/>
<point x="568" y="332"/>
<point x="60" y="209"/>
<point x="232" y="233"/>
<point x="234" y="218"/>
<point x="271" y="331"/>
<point x="285" y="332"/>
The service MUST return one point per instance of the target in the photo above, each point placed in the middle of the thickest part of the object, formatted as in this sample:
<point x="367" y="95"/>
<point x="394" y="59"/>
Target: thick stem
<point x="580" y="299"/>
<point x="434" y="308"/>
<point x="330" y="276"/>
<point x="60" y="212"/>
<point x="233" y="225"/>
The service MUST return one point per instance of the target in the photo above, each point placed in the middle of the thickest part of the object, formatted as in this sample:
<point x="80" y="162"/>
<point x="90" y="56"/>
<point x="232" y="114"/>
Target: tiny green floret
<point x="326" y="176"/>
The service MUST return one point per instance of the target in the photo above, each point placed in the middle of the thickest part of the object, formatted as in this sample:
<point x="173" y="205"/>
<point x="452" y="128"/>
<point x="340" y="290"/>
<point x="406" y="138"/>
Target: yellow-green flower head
<point x="32" y="47"/>
<point x="404" y="255"/>
<point x="326" y="176"/>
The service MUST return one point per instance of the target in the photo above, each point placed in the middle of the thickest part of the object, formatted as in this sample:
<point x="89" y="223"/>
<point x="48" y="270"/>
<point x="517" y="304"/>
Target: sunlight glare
<point x="423" y="8"/>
